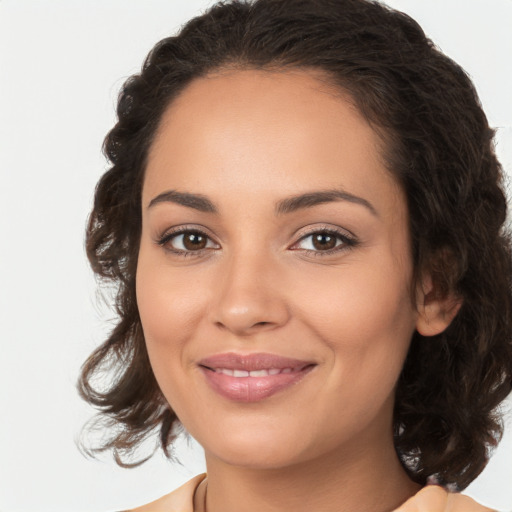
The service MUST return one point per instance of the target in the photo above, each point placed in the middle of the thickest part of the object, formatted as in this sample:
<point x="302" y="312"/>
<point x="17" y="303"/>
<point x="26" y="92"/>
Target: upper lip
<point x="251" y="362"/>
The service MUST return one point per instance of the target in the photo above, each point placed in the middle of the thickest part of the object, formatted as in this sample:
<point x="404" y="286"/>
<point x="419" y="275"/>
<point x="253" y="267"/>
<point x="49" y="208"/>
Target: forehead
<point x="267" y="133"/>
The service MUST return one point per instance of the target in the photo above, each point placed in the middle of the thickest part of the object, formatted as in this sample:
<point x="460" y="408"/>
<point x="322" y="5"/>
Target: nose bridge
<point x="249" y="297"/>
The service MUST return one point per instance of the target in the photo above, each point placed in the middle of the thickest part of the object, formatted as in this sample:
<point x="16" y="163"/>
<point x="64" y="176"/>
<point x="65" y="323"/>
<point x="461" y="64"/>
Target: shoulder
<point x="434" y="498"/>
<point x="179" y="500"/>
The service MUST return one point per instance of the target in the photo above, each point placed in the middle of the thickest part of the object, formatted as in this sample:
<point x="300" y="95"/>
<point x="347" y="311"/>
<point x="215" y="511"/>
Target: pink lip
<point x="252" y="388"/>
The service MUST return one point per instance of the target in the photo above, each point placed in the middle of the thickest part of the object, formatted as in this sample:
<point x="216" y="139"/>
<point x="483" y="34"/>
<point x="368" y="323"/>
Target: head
<point x="433" y="143"/>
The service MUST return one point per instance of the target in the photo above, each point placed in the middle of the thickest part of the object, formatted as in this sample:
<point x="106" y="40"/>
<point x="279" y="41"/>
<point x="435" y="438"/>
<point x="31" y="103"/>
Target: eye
<point x="325" y="241"/>
<point x="185" y="241"/>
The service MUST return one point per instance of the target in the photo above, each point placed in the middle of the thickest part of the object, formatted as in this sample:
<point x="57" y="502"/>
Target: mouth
<point x="252" y="377"/>
<point x="253" y="373"/>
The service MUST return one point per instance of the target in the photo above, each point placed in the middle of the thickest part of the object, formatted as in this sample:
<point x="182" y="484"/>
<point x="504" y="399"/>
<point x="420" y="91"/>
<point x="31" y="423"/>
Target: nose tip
<point x="249" y="305"/>
<point x="247" y="320"/>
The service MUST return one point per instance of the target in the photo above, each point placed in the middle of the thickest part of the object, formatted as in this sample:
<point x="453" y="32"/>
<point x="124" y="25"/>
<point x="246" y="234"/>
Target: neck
<point x="358" y="479"/>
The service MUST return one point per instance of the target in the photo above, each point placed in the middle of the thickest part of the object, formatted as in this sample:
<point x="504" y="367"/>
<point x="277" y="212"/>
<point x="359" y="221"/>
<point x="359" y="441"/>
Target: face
<point x="274" y="274"/>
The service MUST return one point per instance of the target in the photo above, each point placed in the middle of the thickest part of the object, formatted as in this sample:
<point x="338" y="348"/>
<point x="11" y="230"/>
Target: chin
<point x="258" y="459"/>
<point x="255" y="451"/>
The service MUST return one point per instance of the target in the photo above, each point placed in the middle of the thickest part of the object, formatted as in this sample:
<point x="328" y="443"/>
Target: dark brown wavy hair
<point x="438" y="145"/>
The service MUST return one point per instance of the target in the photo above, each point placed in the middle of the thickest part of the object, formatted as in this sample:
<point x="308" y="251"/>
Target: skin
<point x="247" y="140"/>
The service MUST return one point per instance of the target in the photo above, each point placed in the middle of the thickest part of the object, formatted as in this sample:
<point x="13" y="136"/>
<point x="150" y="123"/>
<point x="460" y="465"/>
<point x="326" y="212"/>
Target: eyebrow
<point x="195" y="201"/>
<point x="291" y="204"/>
<point x="315" y="198"/>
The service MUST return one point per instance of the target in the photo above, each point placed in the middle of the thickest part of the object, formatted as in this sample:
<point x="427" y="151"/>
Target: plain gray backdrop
<point x="62" y="63"/>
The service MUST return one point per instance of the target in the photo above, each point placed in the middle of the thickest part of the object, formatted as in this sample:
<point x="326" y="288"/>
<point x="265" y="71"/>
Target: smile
<point x="253" y="377"/>
<point x="253" y="373"/>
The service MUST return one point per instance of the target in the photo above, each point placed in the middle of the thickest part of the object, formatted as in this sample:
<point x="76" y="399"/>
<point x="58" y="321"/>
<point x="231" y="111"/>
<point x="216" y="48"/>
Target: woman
<point x="304" y="217"/>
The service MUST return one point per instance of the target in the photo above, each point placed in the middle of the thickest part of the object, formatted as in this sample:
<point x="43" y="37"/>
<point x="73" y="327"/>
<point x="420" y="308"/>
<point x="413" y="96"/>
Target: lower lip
<point x="252" y="389"/>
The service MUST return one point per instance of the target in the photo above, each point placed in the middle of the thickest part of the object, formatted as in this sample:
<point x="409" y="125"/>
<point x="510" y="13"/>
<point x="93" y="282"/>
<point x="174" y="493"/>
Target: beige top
<point x="190" y="497"/>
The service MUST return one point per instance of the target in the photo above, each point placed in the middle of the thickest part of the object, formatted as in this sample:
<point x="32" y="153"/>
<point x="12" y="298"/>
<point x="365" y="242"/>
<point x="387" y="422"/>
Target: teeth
<point x="253" y="373"/>
<point x="258" y="373"/>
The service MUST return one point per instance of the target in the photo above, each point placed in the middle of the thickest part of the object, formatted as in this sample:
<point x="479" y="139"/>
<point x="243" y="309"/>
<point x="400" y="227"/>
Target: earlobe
<point x="435" y="311"/>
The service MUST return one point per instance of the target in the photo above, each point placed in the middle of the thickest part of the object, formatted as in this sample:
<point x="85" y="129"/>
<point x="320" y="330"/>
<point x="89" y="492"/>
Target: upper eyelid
<point x="329" y="229"/>
<point x="180" y="229"/>
<point x="343" y="236"/>
<point x="169" y="233"/>
<point x="202" y="229"/>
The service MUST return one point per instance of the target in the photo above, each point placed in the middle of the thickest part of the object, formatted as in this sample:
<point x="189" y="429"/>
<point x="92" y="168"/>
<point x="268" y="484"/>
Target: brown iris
<point x="324" y="241"/>
<point x="194" y="241"/>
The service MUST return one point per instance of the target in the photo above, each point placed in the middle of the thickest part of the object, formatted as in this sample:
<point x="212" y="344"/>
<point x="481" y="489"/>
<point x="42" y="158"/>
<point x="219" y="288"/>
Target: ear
<point x="435" y="310"/>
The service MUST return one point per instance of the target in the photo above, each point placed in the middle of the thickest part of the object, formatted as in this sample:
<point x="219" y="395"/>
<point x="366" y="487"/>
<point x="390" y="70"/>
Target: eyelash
<point x="347" y="241"/>
<point x="169" y="235"/>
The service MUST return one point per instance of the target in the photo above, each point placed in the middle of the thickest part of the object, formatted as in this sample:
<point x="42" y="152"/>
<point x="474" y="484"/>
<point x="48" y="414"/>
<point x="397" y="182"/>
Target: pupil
<point x="194" y="241"/>
<point x="324" y="241"/>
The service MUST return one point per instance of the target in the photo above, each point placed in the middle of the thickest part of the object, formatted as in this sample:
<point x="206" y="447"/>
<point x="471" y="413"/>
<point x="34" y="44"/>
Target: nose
<point x="250" y="297"/>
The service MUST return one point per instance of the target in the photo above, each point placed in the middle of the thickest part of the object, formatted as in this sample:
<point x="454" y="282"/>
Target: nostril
<point x="248" y="316"/>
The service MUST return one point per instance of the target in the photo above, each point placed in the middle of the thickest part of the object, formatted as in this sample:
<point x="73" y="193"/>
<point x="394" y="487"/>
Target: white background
<point x="61" y="65"/>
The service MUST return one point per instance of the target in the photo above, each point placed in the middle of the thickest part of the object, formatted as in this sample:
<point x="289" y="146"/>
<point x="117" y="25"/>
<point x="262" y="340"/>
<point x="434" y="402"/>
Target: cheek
<point x="169" y="307"/>
<point x="169" y="303"/>
<point x="364" y="314"/>
<point x="368" y="299"/>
